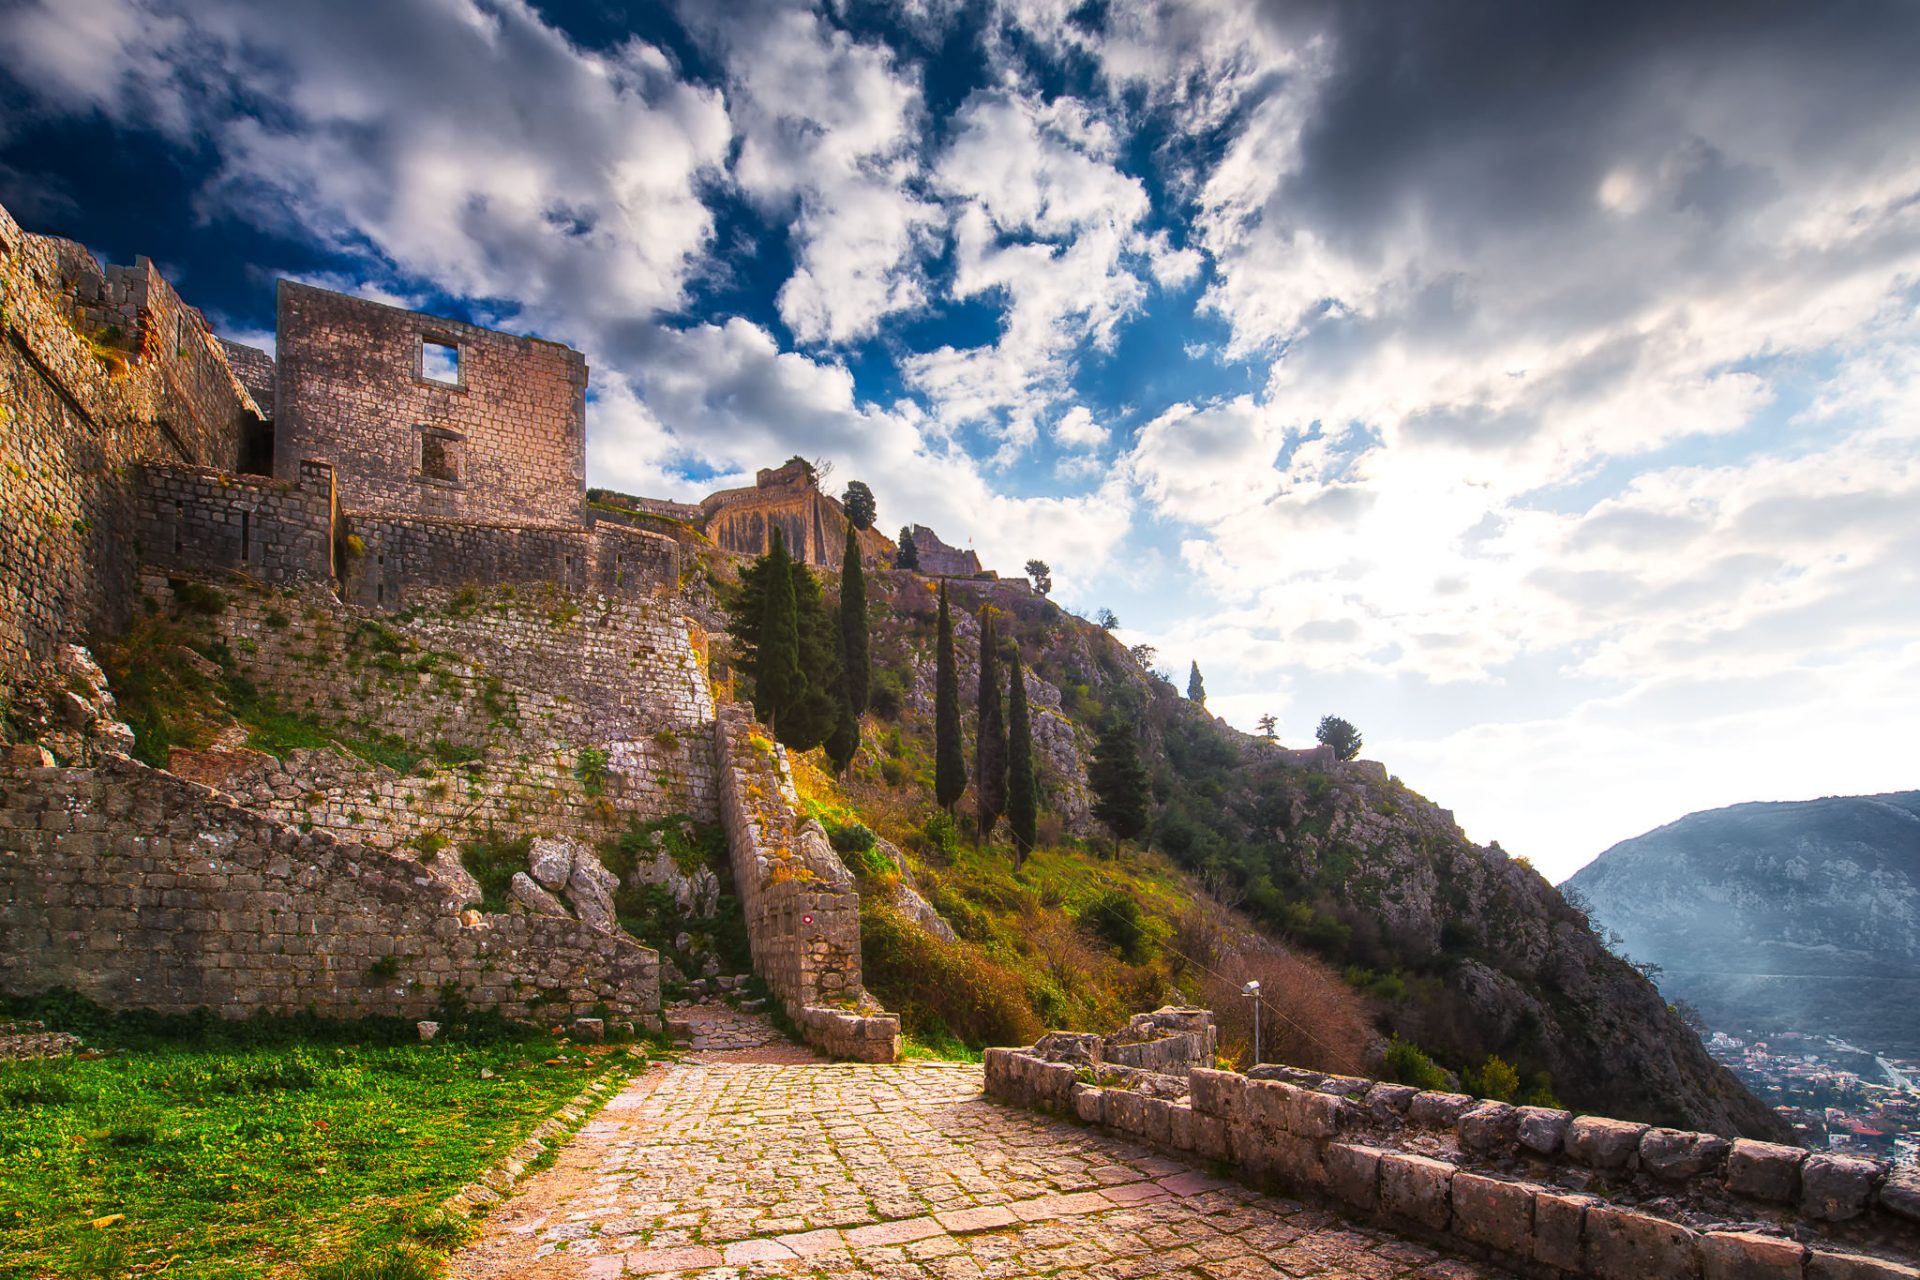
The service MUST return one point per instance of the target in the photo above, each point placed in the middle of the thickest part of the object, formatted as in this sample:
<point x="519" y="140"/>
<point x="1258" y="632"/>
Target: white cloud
<point x="1076" y="429"/>
<point x="829" y="131"/>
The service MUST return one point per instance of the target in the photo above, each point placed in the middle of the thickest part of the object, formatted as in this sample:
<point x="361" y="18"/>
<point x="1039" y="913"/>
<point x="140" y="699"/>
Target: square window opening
<point x="440" y="361"/>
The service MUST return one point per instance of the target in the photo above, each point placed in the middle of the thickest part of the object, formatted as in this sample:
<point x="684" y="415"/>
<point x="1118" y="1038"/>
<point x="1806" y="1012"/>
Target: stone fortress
<point x="384" y="524"/>
<point x="389" y="518"/>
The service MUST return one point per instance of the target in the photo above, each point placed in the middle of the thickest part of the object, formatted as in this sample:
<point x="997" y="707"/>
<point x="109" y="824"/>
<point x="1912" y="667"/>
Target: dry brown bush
<point x="1309" y="1017"/>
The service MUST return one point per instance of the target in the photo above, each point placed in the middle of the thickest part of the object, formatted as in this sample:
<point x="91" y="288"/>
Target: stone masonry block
<point x="1676" y="1155"/>
<point x="1089" y="1102"/>
<point x="1416" y="1188"/>
<point x="1623" y="1245"/>
<point x="1314" y="1115"/>
<point x="1745" y="1255"/>
<point x="1218" y="1093"/>
<point x="1210" y="1140"/>
<point x="1439" y="1110"/>
<point x="1493" y="1213"/>
<point x="1543" y="1130"/>
<point x="1353" y="1175"/>
<point x="1853" y="1266"/>
<point x="1600" y="1143"/>
<point x="1900" y="1195"/>
<point x="1269" y="1104"/>
<point x="1489" y="1128"/>
<point x="1559" y="1228"/>
<point x="1764" y="1170"/>
<point x="1835" y="1188"/>
<point x="1390" y="1101"/>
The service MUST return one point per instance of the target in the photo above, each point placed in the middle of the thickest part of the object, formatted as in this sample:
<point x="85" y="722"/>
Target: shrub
<point x="942" y="988"/>
<point x="1408" y="1064"/>
<point x="493" y="859"/>
<point x="1114" y="918"/>
<point x="1496" y="1079"/>
<point x="591" y="771"/>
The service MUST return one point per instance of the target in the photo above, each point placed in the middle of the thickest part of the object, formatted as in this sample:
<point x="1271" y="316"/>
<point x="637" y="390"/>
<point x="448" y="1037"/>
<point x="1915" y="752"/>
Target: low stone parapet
<point x="1538" y="1190"/>
<point x="853" y="1037"/>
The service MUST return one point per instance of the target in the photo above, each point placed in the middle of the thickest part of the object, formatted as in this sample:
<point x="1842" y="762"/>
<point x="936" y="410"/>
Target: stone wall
<point x="142" y="890"/>
<point x="941" y="560"/>
<point x="1540" y="1191"/>
<point x="504" y="443"/>
<point x="529" y="679"/>
<point x="813" y="525"/>
<point x="802" y="913"/>
<point x="395" y="560"/>
<point x="74" y="421"/>
<point x="206" y="521"/>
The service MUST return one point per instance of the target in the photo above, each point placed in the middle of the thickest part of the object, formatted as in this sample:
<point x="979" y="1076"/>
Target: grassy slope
<point x="240" y="1157"/>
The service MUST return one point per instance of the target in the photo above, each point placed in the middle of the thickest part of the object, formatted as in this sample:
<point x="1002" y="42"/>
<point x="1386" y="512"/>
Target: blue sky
<point x="1535" y="386"/>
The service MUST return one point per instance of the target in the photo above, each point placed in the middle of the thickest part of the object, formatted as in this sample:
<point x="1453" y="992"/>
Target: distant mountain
<point x="1802" y="916"/>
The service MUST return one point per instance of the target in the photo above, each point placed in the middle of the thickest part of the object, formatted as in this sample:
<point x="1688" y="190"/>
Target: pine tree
<point x="949" y="754"/>
<point x="909" y="554"/>
<point x="1119" y="783"/>
<point x="990" y="736"/>
<point x="1196" y="689"/>
<point x="856" y="664"/>
<point x="859" y="505"/>
<point x="1023" y="787"/>
<point x="778" y="682"/>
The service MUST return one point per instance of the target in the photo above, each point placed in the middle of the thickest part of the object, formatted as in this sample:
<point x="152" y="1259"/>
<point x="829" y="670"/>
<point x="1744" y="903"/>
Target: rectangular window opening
<point x="246" y="537"/>
<point x="440" y="361"/>
<point x="436" y="458"/>
<point x="179" y="519"/>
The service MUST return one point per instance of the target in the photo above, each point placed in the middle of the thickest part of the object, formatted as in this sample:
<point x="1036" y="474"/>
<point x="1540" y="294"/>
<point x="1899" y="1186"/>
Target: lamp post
<point x="1252" y="992"/>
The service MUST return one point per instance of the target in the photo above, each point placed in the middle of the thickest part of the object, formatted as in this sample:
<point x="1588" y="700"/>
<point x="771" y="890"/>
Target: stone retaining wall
<point x="1541" y="1191"/>
<point x="802" y="913"/>
<point x="531" y="679"/>
<point x="142" y="890"/>
<point x="398" y="559"/>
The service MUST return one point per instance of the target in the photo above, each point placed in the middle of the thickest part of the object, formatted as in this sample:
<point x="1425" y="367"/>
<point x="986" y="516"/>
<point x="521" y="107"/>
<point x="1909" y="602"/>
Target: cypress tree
<point x="1023" y="787"/>
<point x="778" y="681"/>
<point x="990" y="736"/>
<point x="844" y="739"/>
<point x="949" y="755"/>
<point x="1196" y="689"/>
<point x="1119" y="783"/>
<point x="909" y="557"/>
<point x="855" y="658"/>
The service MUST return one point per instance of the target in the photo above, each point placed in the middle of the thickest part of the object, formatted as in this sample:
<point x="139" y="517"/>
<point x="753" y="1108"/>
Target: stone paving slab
<point x="730" y="1170"/>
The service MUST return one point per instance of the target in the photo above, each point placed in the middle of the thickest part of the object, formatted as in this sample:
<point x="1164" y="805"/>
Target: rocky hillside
<point x="1460" y="948"/>
<point x="1766" y="917"/>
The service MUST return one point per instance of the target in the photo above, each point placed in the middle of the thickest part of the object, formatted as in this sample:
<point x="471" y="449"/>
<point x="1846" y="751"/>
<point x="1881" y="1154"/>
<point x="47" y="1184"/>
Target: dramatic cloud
<point x="1539" y="386"/>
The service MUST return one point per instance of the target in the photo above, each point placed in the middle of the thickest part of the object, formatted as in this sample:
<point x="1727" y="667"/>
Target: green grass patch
<point x="272" y="1146"/>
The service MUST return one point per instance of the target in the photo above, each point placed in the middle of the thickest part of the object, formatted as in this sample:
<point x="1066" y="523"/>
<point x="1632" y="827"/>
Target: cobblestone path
<point x="718" y="1167"/>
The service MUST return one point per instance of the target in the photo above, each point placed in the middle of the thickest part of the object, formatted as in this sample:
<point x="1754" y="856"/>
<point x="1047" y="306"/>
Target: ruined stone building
<point x="382" y="528"/>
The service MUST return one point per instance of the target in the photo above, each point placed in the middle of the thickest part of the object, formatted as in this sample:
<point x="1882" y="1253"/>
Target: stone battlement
<point x="1541" y="1191"/>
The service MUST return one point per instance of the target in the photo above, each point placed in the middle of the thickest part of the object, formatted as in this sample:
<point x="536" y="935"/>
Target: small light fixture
<point x="1252" y="992"/>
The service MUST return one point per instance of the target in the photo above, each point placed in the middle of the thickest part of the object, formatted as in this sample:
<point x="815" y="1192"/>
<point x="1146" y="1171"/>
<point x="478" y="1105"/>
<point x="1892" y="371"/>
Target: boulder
<point x="551" y="862"/>
<point x="1835" y="1188"/>
<point x="530" y="895"/>
<point x="1764" y="1170"/>
<point x="1600" y="1143"/>
<point x="590" y="890"/>
<point x="453" y="875"/>
<point x="1543" y="1130"/>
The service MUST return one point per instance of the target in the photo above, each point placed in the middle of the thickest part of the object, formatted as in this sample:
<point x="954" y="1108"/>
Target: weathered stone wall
<point x="941" y="560"/>
<point x="531" y="680"/>
<point x="802" y="912"/>
<point x="1540" y="1191"/>
<point x="73" y="424"/>
<point x="351" y="390"/>
<point x="398" y="558"/>
<point x="206" y="521"/>
<point x="142" y="890"/>
<point x="813" y="525"/>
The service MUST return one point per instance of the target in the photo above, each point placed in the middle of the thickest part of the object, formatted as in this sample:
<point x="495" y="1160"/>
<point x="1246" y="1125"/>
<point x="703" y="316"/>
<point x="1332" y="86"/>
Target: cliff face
<point x="1800" y="916"/>
<point x="1470" y="952"/>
